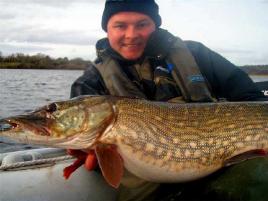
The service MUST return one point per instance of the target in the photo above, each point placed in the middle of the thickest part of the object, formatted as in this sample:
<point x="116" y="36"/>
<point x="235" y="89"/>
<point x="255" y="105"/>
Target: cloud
<point x="56" y="28"/>
<point x="6" y="16"/>
<point x="41" y="35"/>
<point x="234" y="51"/>
<point x="8" y="49"/>
<point x="61" y="37"/>
<point x="48" y="3"/>
<point x="22" y="22"/>
<point x="242" y="56"/>
<point x="70" y="27"/>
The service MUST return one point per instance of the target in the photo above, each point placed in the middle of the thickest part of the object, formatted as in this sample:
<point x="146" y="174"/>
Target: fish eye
<point x="52" y="108"/>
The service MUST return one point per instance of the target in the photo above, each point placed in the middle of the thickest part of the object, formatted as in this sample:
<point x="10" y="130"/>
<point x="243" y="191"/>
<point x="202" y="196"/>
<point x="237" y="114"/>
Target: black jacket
<point x="225" y="79"/>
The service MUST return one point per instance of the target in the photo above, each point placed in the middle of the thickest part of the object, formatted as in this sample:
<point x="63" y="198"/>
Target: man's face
<point x="128" y="33"/>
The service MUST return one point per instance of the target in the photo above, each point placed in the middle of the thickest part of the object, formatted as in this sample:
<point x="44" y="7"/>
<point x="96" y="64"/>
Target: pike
<point x="155" y="141"/>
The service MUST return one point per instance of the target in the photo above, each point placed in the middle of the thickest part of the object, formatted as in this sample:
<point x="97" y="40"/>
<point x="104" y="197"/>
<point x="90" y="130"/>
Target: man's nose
<point x="131" y="32"/>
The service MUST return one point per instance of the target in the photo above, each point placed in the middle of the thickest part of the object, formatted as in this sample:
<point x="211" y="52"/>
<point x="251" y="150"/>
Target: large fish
<point x="157" y="142"/>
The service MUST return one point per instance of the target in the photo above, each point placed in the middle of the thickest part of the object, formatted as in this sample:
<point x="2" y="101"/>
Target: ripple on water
<point x="25" y="90"/>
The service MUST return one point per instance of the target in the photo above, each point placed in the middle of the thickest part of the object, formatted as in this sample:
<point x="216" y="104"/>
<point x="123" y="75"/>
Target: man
<point x="129" y="25"/>
<point x="139" y="59"/>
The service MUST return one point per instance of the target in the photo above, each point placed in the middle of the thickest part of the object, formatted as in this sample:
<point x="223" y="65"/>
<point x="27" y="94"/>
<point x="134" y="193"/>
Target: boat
<point x="36" y="175"/>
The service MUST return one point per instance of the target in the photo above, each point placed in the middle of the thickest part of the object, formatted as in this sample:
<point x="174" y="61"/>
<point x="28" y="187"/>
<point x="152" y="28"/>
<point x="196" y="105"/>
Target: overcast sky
<point x="237" y="29"/>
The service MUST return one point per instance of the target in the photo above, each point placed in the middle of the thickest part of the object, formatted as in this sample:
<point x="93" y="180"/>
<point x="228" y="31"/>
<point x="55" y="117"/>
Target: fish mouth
<point x="22" y="124"/>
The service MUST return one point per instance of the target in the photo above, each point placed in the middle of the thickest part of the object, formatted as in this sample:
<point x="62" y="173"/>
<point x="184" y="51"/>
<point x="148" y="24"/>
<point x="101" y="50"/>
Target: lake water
<point x="25" y="90"/>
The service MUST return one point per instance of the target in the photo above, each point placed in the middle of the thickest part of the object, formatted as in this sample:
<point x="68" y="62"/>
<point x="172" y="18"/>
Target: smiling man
<point x="139" y="59"/>
<point x="128" y="33"/>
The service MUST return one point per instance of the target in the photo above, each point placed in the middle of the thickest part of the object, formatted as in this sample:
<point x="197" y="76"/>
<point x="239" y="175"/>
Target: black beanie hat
<point x="147" y="7"/>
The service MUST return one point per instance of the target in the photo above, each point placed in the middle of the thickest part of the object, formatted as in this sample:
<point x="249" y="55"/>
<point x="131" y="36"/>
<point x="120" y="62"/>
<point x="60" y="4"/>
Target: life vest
<point x="181" y="70"/>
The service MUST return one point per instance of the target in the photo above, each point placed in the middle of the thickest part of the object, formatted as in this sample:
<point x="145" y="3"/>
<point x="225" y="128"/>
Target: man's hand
<point x="88" y="158"/>
<point x="159" y="44"/>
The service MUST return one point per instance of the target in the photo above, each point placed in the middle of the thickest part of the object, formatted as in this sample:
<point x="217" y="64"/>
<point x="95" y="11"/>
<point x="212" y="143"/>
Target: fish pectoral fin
<point x="111" y="163"/>
<point x="246" y="156"/>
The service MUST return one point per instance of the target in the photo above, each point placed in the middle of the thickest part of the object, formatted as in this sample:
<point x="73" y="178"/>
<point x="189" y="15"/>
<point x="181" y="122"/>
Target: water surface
<point x="24" y="90"/>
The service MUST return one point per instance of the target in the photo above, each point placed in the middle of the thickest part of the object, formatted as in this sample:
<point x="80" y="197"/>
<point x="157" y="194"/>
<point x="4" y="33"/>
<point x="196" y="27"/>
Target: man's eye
<point x="119" y="26"/>
<point x="142" y="25"/>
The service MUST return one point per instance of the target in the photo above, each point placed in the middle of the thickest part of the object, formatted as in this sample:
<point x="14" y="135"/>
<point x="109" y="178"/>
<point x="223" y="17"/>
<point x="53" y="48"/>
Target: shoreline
<point x="251" y="73"/>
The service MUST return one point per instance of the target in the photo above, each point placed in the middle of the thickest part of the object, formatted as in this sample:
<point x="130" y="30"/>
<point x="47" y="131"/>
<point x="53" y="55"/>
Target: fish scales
<point x="184" y="136"/>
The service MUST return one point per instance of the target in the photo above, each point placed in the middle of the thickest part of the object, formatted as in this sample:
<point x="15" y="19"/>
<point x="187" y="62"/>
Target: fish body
<point x="155" y="141"/>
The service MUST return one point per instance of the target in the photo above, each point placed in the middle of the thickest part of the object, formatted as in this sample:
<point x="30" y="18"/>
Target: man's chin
<point x="131" y="56"/>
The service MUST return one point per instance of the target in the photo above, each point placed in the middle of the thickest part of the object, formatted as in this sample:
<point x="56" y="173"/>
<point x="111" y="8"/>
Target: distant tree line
<point x="255" y="69"/>
<point x="40" y="61"/>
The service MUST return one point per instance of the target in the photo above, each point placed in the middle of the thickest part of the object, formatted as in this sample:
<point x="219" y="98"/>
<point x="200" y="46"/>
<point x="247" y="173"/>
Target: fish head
<point x="72" y="124"/>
